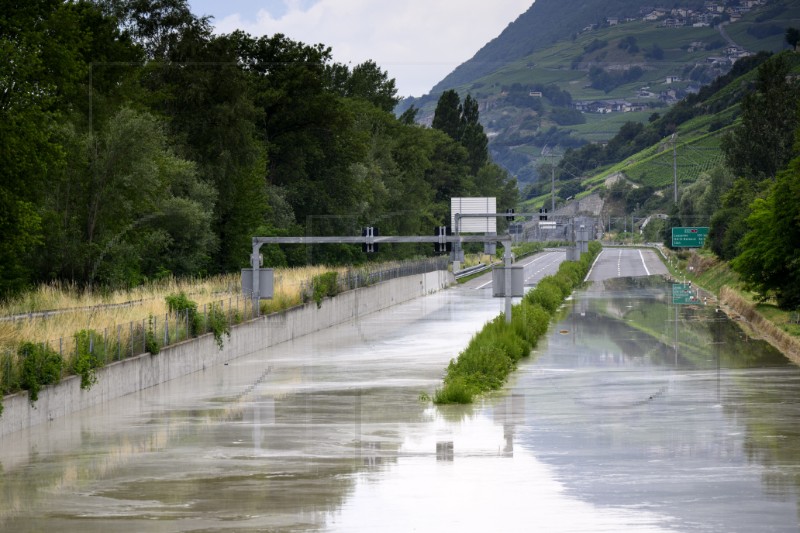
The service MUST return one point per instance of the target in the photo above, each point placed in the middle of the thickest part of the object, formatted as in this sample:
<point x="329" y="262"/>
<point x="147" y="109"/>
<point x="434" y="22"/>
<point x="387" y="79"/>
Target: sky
<point x="418" y="42"/>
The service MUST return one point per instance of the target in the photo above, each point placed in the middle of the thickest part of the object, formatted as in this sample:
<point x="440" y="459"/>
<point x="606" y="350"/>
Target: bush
<point x="530" y="321"/>
<point x="324" y="285"/>
<point x="218" y="323"/>
<point x="41" y="366"/>
<point x="492" y="354"/>
<point x="547" y="295"/>
<point x="151" y="343"/>
<point x="180" y="303"/>
<point x="455" y="390"/>
<point x="88" y="358"/>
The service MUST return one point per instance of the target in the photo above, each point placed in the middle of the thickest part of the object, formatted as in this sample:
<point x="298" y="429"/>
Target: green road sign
<point x="689" y="237"/>
<point x="682" y="294"/>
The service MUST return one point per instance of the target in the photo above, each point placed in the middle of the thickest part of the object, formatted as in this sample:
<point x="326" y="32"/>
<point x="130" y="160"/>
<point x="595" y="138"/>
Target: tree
<point x="761" y="144"/>
<point x="792" y="37"/>
<point x="41" y="42"/>
<point x="447" y="116"/>
<point x="366" y="81"/>
<point x="124" y="211"/>
<point x="770" y="258"/>
<point x="461" y="123"/>
<point x="473" y="137"/>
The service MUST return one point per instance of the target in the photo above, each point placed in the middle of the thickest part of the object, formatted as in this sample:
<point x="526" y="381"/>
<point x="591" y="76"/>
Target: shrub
<point x="493" y="352"/>
<point x="546" y="295"/>
<point x="88" y="357"/>
<point x="41" y="366"/>
<point x="454" y="390"/>
<point x="180" y="303"/>
<point x="218" y="323"/>
<point x="530" y="322"/>
<point x="324" y="285"/>
<point x="151" y="343"/>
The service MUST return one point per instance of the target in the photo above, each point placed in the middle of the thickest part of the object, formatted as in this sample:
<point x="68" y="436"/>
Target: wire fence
<point x="127" y="340"/>
<point x="356" y="278"/>
<point x="150" y="334"/>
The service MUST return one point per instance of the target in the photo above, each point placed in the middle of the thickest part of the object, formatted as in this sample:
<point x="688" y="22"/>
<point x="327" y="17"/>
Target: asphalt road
<point x="536" y="267"/>
<point x="626" y="263"/>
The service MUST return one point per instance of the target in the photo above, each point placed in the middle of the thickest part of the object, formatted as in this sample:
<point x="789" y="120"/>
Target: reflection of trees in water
<point x="639" y="313"/>
<point x="764" y="390"/>
<point x="266" y="463"/>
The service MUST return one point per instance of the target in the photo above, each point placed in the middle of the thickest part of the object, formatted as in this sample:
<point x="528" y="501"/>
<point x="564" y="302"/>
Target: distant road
<point x="626" y="263"/>
<point x="536" y="267"/>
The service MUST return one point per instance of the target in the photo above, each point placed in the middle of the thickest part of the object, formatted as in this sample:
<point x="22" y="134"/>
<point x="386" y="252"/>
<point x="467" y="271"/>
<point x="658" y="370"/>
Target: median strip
<point x="493" y="353"/>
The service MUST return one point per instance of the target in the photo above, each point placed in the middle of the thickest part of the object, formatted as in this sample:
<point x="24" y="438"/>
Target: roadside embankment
<point x="735" y="306"/>
<point x="714" y="278"/>
<point x="137" y="373"/>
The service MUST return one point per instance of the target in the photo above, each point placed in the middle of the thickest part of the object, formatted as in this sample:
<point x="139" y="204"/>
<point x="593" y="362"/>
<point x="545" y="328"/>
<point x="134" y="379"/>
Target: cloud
<point x="418" y="42"/>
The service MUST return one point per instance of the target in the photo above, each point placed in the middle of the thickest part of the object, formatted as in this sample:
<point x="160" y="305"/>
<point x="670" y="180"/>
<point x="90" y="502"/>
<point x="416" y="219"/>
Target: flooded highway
<point x="633" y="415"/>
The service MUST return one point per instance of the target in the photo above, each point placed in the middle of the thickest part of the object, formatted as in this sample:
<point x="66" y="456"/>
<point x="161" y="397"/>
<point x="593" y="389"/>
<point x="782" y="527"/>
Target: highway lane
<point x="620" y="421"/>
<point x="536" y="267"/>
<point x="626" y="263"/>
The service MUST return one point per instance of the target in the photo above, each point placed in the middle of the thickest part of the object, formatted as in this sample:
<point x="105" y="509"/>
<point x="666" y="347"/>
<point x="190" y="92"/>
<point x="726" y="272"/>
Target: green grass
<point x="493" y="353"/>
<point x="786" y="320"/>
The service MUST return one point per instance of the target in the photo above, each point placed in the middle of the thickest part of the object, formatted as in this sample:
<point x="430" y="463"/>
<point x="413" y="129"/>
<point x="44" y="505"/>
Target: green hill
<point x="557" y="57"/>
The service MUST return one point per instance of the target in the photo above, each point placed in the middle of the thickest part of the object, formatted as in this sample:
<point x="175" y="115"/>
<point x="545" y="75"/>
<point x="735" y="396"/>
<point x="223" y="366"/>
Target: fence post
<point x="119" y="342"/>
<point x="130" y="339"/>
<point x="144" y="336"/>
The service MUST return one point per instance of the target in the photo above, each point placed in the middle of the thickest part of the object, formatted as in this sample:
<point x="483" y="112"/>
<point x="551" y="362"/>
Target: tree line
<point x="137" y="144"/>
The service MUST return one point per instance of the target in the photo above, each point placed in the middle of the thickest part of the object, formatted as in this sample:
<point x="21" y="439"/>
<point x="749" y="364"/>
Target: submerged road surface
<point x="632" y="415"/>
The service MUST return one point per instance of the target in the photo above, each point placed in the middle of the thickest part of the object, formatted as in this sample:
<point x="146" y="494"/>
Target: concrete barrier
<point x="138" y="373"/>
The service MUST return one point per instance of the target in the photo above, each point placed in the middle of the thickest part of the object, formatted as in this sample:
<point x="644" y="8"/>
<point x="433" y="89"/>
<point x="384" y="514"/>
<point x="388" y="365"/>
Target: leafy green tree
<point x="41" y="42"/>
<point x="123" y="210"/>
<point x="792" y="37"/>
<point x="472" y="136"/>
<point x="215" y="125"/>
<point x="447" y="116"/>
<point x="761" y="144"/>
<point x="729" y="222"/>
<point x="366" y="81"/>
<point x="770" y="257"/>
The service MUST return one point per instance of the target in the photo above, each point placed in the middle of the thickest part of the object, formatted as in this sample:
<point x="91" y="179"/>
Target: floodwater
<point x="633" y="415"/>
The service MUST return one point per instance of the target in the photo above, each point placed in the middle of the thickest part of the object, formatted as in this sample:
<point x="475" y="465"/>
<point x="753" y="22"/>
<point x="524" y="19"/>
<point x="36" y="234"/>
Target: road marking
<point x="643" y="263"/>
<point x="529" y="263"/>
<point x="548" y="265"/>
<point x="591" y="268"/>
<point x="484" y="285"/>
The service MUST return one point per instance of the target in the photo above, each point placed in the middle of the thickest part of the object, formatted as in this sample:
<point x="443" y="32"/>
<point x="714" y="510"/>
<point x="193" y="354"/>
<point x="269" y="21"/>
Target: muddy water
<point x="634" y="415"/>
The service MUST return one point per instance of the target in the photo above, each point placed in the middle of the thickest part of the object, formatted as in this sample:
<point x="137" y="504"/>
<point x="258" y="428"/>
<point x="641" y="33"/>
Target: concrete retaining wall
<point x="137" y="373"/>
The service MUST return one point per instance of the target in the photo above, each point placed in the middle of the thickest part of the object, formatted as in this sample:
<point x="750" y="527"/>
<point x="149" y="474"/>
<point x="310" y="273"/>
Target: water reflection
<point x="633" y="415"/>
<point x="658" y="406"/>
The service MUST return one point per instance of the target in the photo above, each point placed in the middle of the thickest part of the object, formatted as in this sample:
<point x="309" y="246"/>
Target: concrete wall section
<point x="137" y="373"/>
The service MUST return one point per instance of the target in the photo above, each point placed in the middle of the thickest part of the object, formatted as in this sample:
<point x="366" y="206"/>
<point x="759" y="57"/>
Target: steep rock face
<point x="591" y="205"/>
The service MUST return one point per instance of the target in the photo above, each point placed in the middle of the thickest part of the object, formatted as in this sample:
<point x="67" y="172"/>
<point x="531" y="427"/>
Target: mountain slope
<point x="567" y="73"/>
<point x="543" y="24"/>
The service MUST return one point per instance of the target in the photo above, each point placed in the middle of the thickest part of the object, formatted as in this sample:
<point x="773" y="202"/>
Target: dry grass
<point x="84" y="309"/>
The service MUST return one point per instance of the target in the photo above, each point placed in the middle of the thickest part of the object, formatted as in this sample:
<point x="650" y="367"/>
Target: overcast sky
<point x="418" y="42"/>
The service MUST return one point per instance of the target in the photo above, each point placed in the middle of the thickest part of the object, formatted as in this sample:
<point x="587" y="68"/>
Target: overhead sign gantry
<point x="370" y="239"/>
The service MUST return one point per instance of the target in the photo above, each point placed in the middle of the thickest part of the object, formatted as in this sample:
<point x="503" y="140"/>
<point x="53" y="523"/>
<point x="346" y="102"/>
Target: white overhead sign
<point x="474" y="206"/>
